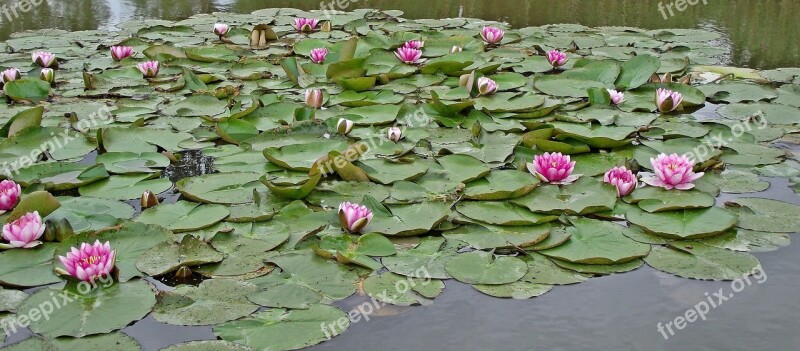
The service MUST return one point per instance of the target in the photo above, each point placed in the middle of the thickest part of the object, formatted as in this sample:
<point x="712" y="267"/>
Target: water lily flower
<point x="149" y="69"/>
<point x="90" y="262"/>
<point x="9" y="75"/>
<point x="47" y="75"/>
<point x="25" y="231"/>
<point x="394" y="134"/>
<point x="486" y="86"/>
<point x="668" y="100"/>
<point x="119" y="53"/>
<point x="414" y="44"/>
<point x="354" y="217"/>
<point x="672" y="172"/>
<point x="149" y="199"/>
<point x="492" y="35"/>
<point x="409" y="55"/>
<point x="553" y="168"/>
<point x="344" y="126"/>
<point x="318" y="55"/>
<point x="456" y="49"/>
<point x="616" y="96"/>
<point x="314" y="98"/>
<point x="43" y="58"/>
<point x="622" y="178"/>
<point x="9" y="194"/>
<point x="220" y="29"/>
<point x="556" y="58"/>
<point x="305" y="25"/>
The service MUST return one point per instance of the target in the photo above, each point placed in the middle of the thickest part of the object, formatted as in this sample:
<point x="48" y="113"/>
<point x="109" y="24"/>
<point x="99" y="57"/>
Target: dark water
<point x="758" y="33"/>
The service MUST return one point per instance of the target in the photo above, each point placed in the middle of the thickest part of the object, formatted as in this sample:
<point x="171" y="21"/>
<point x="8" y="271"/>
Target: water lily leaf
<point x="732" y="92"/>
<point x="214" y="301"/>
<point x="242" y="254"/>
<point x="489" y="237"/>
<point x="104" y="309"/>
<point x="501" y="185"/>
<point x="222" y="188"/>
<point x="409" y="220"/>
<point x="772" y="113"/>
<point x="736" y="181"/>
<point x="280" y="329"/>
<point x="480" y="267"/>
<point x="11" y="299"/>
<point x="39" y="201"/>
<point x="501" y="213"/>
<point x="168" y="257"/>
<point x="302" y="157"/>
<point x="384" y="172"/>
<point x="27" y="118"/>
<point x="520" y="290"/>
<point x="183" y="216"/>
<point x="402" y="291"/>
<point x="542" y="270"/>
<point x="637" y="71"/>
<point x="699" y="261"/>
<point x="126" y="187"/>
<point x="425" y="260"/>
<point x="597" y="242"/>
<point x="281" y="290"/>
<point x="766" y="215"/>
<point x="556" y="85"/>
<point x="584" y="196"/>
<point x="140" y="140"/>
<point x="28" y="268"/>
<point x="654" y="199"/>
<point x="684" y="224"/>
<point x="331" y="194"/>
<point x="463" y="168"/>
<point x="213" y="345"/>
<point x="332" y="280"/>
<point x="121" y="342"/>
<point x="132" y="162"/>
<point x="25" y="89"/>
<point x="600" y="269"/>
<point x="748" y="240"/>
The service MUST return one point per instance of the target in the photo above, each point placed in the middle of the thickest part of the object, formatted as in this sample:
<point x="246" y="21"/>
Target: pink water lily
<point x="344" y="126"/>
<point x="149" y="69"/>
<point x="47" y="75"/>
<point x="305" y="25"/>
<point x="556" y="58"/>
<point x="314" y="98"/>
<point x="486" y="86"/>
<point x="354" y="217"/>
<point x="668" y="100"/>
<point x="414" y="44"/>
<point x="220" y="29"/>
<point x="553" y="168"/>
<point x="9" y="195"/>
<point x="409" y="55"/>
<point x="672" y="172"/>
<point x="492" y="35"/>
<point x="318" y="55"/>
<point x="9" y="75"/>
<point x="43" y="58"/>
<point x="119" y="53"/>
<point x="25" y="231"/>
<point x="616" y="96"/>
<point x="90" y="262"/>
<point x="394" y="134"/>
<point x="622" y="178"/>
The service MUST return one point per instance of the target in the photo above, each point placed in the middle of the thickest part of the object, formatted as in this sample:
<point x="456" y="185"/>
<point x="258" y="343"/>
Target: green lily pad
<point x="183" y="216"/>
<point x="480" y="267"/>
<point x="699" y="261"/>
<point x="212" y="302"/>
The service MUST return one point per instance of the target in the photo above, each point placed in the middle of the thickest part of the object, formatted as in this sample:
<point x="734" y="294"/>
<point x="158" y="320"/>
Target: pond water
<point x="619" y="312"/>
<point x="755" y="33"/>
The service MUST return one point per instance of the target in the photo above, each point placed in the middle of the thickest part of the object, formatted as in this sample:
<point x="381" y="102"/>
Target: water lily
<point x="553" y="168"/>
<point x="344" y="126"/>
<point x="486" y="86"/>
<point x="9" y="75"/>
<point x="672" y="172"/>
<point x="616" y="96"/>
<point x="456" y="49"/>
<point x="119" y="53"/>
<point x="43" y="58"/>
<point x="9" y="195"/>
<point x="556" y="58"/>
<point x="492" y="35"/>
<point x="668" y="100"/>
<point x="25" y="231"/>
<point x="90" y="262"/>
<point x="47" y="75"/>
<point x="354" y="217"/>
<point x="149" y="69"/>
<point x="305" y="25"/>
<point x="314" y="98"/>
<point x="149" y="199"/>
<point x="220" y="29"/>
<point x="622" y="178"/>
<point x="394" y="134"/>
<point x="409" y="55"/>
<point x="414" y="44"/>
<point x="318" y="55"/>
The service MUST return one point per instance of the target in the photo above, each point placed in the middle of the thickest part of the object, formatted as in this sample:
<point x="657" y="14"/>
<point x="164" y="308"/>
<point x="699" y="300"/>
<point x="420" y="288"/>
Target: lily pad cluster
<point x="439" y="161"/>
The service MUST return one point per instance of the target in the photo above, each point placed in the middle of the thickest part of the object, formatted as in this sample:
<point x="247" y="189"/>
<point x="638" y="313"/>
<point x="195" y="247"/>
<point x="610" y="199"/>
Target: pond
<point x="220" y="160"/>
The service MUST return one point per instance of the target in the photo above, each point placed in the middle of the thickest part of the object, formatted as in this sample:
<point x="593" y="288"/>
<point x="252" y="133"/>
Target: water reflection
<point x="756" y="32"/>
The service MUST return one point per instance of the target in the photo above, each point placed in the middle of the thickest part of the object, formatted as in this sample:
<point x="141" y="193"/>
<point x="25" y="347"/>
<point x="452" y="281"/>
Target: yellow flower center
<point x="91" y="260"/>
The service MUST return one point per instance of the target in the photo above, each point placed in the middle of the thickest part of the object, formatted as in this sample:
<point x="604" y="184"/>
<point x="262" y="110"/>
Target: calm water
<point x="617" y="312"/>
<point x="758" y="33"/>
